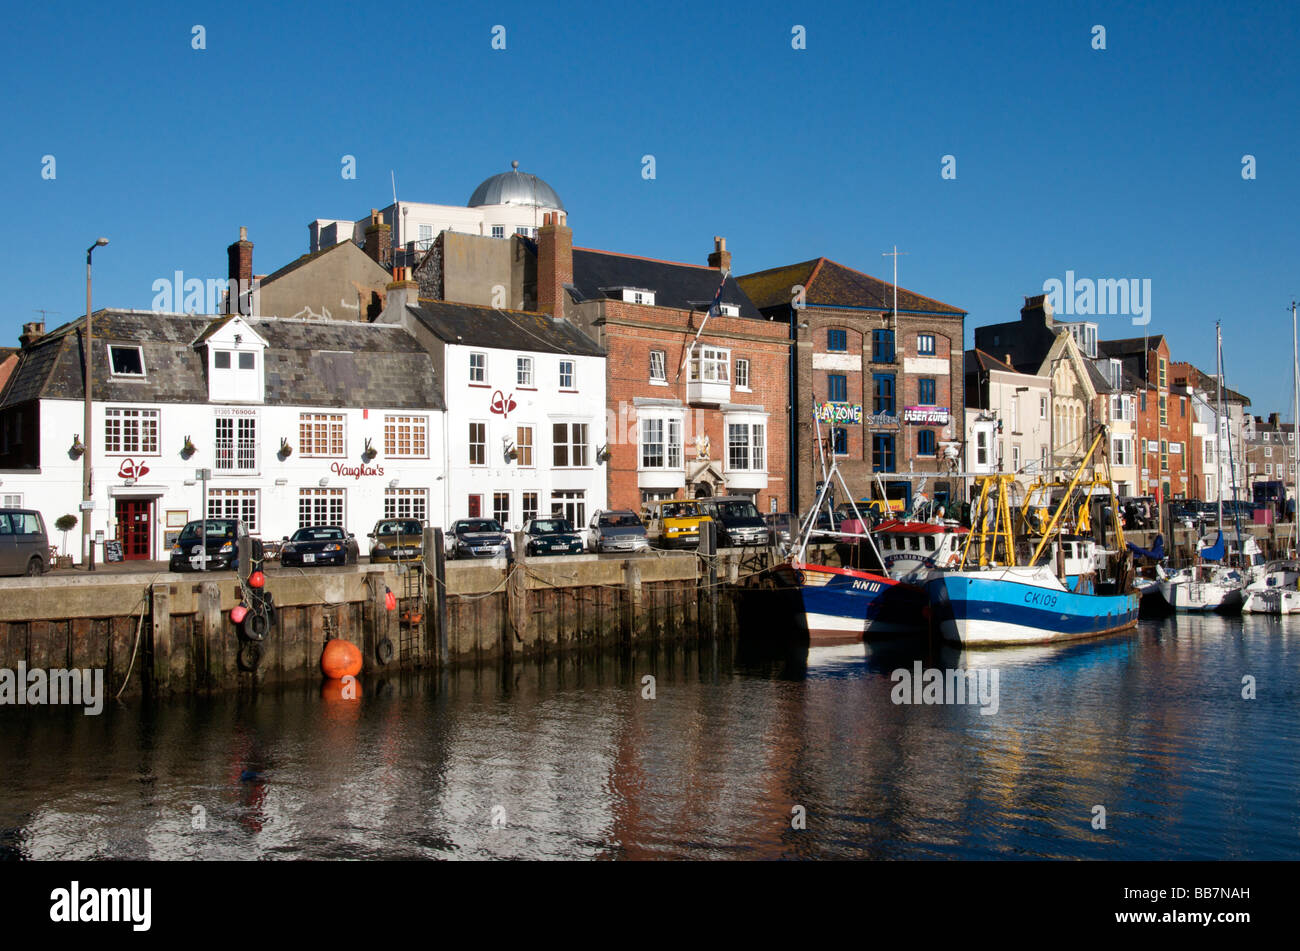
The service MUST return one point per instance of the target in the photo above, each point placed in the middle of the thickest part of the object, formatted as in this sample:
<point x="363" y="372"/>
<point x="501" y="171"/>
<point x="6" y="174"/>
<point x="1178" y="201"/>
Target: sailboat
<point x="1211" y="584"/>
<point x="1277" y="591"/>
<point x="996" y="601"/>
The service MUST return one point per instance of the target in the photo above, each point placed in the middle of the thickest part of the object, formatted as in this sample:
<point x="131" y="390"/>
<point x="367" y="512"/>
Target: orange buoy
<point x="256" y="579"/>
<point x="390" y="601"/>
<point x="338" y="691"/>
<point x="340" y="659"/>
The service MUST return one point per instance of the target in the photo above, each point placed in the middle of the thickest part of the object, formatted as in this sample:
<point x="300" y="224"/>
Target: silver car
<point x="617" y="530"/>
<point x="24" y="546"/>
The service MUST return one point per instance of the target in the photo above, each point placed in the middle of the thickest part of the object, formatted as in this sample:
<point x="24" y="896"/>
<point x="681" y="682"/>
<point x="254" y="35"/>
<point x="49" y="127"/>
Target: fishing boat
<point x="991" y="600"/>
<point x="834" y="603"/>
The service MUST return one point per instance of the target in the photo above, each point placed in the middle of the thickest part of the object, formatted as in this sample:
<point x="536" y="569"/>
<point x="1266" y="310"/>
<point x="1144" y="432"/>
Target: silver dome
<point x="516" y="188"/>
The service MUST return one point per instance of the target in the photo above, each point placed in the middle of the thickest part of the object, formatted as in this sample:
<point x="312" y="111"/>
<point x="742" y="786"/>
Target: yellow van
<point x="675" y="523"/>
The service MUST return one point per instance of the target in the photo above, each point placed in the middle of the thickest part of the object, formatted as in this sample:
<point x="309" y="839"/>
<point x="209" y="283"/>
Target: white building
<point x="1007" y="424"/>
<point x="506" y="204"/>
<point x="525" y="397"/>
<point x="298" y="422"/>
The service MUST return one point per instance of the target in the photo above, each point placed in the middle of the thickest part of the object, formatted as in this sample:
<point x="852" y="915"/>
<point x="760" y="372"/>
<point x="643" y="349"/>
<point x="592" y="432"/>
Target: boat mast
<point x="1218" y="412"/>
<point x="1295" y="435"/>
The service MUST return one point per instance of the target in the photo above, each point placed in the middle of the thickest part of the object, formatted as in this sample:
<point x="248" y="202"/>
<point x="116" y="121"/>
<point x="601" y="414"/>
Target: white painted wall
<point x="170" y="480"/>
<point x="539" y="407"/>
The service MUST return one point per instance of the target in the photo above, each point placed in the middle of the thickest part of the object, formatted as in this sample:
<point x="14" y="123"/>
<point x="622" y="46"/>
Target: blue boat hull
<point x="841" y="603"/>
<point x="988" y="609"/>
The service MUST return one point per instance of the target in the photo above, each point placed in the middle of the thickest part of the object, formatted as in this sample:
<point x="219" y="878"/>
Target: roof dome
<point x="516" y="188"/>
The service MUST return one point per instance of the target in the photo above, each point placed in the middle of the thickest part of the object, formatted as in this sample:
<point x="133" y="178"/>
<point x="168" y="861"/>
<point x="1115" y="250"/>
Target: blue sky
<point x="1119" y="163"/>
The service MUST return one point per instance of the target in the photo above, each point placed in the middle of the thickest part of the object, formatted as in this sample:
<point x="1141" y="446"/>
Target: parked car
<point x="319" y="545"/>
<point x="617" y="530"/>
<point x="675" y="523"/>
<point x="1186" y="513"/>
<point x="222" y="536"/>
<point x="396" y="539"/>
<point x="778" y="527"/>
<point x="478" y="538"/>
<point x="738" y="519"/>
<point x="24" y="546"/>
<point x="552" y="536"/>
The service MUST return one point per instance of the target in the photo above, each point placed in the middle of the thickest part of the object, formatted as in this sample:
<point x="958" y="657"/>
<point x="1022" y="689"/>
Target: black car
<point x="319" y="545"/>
<point x="478" y="538"/>
<point x="739" y="521"/>
<point x="222" y="536"/>
<point x="552" y="536"/>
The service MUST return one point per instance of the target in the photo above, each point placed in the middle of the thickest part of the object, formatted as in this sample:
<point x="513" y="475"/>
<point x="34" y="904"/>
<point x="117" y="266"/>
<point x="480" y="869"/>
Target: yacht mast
<point x="1295" y="437"/>
<point x="1218" y="412"/>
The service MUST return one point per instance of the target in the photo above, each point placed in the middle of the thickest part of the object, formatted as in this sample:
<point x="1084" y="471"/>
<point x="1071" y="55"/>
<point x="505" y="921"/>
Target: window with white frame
<point x="524" y="446"/>
<point x="498" y="231"/>
<point x="501" y="508"/>
<point x="235" y="503"/>
<point x="710" y="365"/>
<point x="320" y="435"/>
<point x="125" y="361"/>
<point x="746" y="448"/>
<point x="571" y="505"/>
<point x="524" y="371"/>
<point x="925" y="345"/>
<point x="11" y="500"/>
<point x="406" y="437"/>
<point x="320" y="507"/>
<point x="406" y="503"/>
<point x="129" y="431"/>
<point x="658" y="366"/>
<point x="1015" y="458"/>
<point x="1268" y="468"/>
<point x="1042" y="407"/>
<point x="426" y="237"/>
<point x="570" y="445"/>
<point x="566" y="374"/>
<point x="478" y="367"/>
<point x="742" y="374"/>
<point x="478" y="444"/>
<point x="1122" y="450"/>
<point x="661" y="442"/>
<point x="234" y="447"/>
<point x="528" y="505"/>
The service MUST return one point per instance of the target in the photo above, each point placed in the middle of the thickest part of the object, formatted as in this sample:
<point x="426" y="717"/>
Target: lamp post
<point x="87" y="483"/>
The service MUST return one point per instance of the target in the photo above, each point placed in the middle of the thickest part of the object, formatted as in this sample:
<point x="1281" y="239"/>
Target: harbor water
<point x="729" y="750"/>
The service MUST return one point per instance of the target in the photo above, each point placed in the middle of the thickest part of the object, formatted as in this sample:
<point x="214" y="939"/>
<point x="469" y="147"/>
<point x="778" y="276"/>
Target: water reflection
<point x="571" y="759"/>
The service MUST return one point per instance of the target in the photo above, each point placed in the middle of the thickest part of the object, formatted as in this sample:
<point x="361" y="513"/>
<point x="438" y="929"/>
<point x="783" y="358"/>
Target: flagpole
<point x="715" y="305"/>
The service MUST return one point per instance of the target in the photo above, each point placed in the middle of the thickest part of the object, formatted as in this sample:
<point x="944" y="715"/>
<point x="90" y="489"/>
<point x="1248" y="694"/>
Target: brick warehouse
<point x="905" y="373"/>
<point x="687" y="417"/>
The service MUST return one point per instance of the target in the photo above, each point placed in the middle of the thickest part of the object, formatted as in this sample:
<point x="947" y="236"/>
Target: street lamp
<point x="87" y="483"/>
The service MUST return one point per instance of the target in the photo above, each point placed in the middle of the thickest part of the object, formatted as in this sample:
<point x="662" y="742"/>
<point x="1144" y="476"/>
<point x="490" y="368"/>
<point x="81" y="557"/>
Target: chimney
<point x="240" y="269"/>
<point x="399" y="295"/>
<point x="554" y="263"/>
<point x="721" y="257"/>
<point x="379" y="240"/>
<point x="31" y="333"/>
<point x="1272" y="421"/>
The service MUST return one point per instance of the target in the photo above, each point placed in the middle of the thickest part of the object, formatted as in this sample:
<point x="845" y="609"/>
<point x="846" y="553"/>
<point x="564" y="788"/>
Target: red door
<point x="135" y="528"/>
<point x="475" y="506"/>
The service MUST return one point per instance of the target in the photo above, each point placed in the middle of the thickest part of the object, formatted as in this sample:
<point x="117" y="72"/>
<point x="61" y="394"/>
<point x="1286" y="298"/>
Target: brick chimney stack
<point x="31" y="333"/>
<point x="240" y="255"/>
<point x="379" y="240"/>
<point x="554" y="263"/>
<point x="721" y="257"/>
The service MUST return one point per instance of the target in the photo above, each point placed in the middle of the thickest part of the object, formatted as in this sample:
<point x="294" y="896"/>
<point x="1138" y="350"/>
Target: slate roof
<point x="983" y="362"/>
<point x="828" y="282"/>
<point x="307" y="362"/>
<point x="679" y="286"/>
<point x="476" y="326"/>
<point x="1210" y="384"/>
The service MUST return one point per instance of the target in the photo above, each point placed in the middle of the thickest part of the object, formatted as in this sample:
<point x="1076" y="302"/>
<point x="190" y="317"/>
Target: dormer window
<point x="729" y="310"/>
<point x="126" y="361"/>
<point x="234" y="358"/>
<point x="637" y="295"/>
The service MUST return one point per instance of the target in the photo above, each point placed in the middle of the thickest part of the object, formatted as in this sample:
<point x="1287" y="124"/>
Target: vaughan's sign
<point x="355" y="472"/>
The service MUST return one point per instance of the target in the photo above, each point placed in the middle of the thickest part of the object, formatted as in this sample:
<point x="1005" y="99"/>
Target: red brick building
<point x="697" y="404"/>
<point x="1169" y="450"/>
<point x="897" y="379"/>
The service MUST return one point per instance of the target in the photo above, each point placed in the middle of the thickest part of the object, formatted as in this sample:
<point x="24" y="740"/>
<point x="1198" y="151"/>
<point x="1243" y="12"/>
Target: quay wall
<point x="174" y="634"/>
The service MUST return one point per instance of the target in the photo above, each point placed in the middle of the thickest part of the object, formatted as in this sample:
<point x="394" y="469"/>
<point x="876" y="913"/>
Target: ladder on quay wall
<point x="411" y="622"/>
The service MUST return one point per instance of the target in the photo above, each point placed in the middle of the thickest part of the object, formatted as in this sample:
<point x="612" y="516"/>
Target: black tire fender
<point x="257" y="623"/>
<point x="384" y="651"/>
